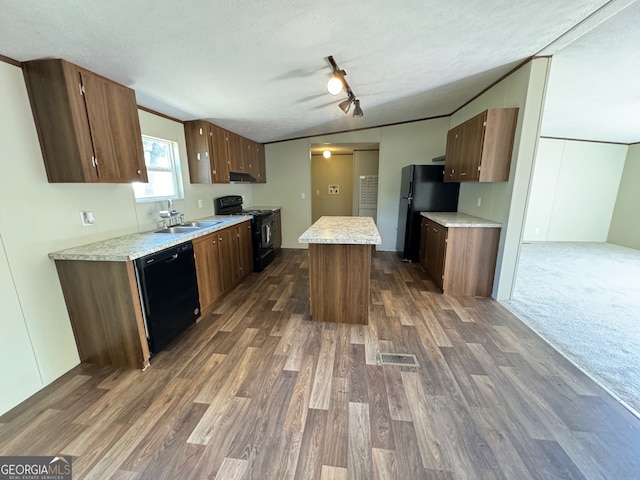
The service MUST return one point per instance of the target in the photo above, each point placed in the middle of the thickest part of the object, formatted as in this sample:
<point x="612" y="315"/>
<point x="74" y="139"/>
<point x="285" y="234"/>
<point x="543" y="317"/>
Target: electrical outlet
<point x="334" y="189"/>
<point x="479" y="202"/>
<point x="199" y="203"/>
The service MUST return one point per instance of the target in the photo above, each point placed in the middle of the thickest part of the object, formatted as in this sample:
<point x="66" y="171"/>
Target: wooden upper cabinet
<point x="214" y="152"/>
<point x="87" y="125"/>
<point x="261" y="168"/>
<point x="480" y="149"/>
<point x="220" y="154"/>
<point x="196" y="134"/>
<point x="235" y="149"/>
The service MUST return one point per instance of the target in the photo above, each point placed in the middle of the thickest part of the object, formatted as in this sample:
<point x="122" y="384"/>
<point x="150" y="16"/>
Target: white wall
<point x="573" y="191"/>
<point x="38" y="217"/>
<point x="625" y="223"/>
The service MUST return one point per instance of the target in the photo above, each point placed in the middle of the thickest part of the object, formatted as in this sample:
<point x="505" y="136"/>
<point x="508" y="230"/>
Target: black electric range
<point x="261" y="228"/>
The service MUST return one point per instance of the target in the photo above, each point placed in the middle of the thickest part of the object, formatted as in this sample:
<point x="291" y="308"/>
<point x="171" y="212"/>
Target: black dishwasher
<point x="169" y="293"/>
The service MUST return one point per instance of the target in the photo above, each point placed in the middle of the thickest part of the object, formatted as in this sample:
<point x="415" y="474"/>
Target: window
<point x="163" y="171"/>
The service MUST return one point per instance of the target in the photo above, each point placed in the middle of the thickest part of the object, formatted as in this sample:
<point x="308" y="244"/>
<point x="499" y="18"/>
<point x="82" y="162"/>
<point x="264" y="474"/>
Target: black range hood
<point x="241" y="177"/>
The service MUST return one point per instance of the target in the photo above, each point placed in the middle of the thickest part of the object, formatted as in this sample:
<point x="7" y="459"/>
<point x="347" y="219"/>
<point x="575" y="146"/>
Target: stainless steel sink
<point x="179" y="229"/>
<point x="203" y="223"/>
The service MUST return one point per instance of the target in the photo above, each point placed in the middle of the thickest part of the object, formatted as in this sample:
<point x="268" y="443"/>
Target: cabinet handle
<point x="463" y="173"/>
<point x="200" y="131"/>
<point x="198" y="156"/>
<point x="139" y="172"/>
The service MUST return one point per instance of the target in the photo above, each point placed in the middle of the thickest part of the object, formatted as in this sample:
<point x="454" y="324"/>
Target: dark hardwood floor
<point x="258" y="390"/>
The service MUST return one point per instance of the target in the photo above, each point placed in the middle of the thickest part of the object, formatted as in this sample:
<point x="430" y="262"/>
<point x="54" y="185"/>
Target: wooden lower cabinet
<point x="105" y="312"/>
<point x="460" y="260"/>
<point x="206" y="252"/>
<point x="277" y="230"/>
<point x="223" y="259"/>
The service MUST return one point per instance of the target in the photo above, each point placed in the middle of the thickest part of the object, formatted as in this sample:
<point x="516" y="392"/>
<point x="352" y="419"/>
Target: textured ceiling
<point x="259" y="67"/>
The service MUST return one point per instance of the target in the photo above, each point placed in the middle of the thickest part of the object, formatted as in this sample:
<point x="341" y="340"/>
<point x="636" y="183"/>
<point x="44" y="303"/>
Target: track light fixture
<point x="336" y="83"/>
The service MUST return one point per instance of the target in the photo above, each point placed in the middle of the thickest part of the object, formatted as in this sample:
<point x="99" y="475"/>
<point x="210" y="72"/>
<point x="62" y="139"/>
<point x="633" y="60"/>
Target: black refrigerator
<point x="421" y="190"/>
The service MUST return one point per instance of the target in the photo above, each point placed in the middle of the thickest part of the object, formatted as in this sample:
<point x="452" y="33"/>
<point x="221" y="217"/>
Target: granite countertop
<point x="262" y="207"/>
<point x="136" y="245"/>
<point x="459" y="219"/>
<point x="343" y="230"/>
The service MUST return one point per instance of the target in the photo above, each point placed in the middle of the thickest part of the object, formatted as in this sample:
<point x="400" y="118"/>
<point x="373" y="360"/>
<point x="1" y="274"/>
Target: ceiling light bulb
<point x="357" y="111"/>
<point x="326" y="154"/>
<point x="334" y="85"/>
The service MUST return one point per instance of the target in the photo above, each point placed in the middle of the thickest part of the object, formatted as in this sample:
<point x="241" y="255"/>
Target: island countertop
<point x="459" y="219"/>
<point x="342" y="230"/>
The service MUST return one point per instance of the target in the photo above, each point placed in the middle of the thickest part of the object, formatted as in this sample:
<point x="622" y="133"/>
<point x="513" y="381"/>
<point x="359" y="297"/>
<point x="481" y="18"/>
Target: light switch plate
<point x="87" y="218"/>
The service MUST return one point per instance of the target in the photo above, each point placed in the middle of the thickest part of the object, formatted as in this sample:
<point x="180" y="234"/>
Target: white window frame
<point x="174" y="169"/>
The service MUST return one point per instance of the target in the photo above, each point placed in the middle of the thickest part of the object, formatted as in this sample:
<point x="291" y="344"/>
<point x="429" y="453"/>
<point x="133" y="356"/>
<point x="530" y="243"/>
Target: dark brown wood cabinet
<point x="206" y="152"/>
<point x="433" y="249"/>
<point x="219" y="155"/>
<point x="245" y="248"/>
<point x="223" y="259"/>
<point x="199" y="152"/>
<point x="277" y="230"/>
<point x="480" y="149"/>
<point x="214" y="152"/>
<point x="88" y="125"/>
<point x="236" y="152"/>
<point x="206" y="252"/>
<point x="460" y="260"/>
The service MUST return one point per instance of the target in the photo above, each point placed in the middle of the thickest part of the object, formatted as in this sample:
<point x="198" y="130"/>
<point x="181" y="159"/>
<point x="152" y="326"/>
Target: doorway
<point x="344" y="180"/>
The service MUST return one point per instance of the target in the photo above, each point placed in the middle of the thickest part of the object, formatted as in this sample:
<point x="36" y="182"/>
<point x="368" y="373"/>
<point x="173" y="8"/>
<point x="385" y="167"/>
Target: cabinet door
<point x="277" y="230"/>
<point x="245" y="249"/>
<point x="436" y="251"/>
<point x="471" y="147"/>
<point x="197" y="137"/>
<point x="424" y="229"/>
<point x="452" y="159"/>
<point x="248" y="157"/>
<point x="220" y="154"/>
<point x="115" y="129"/>
<point x="227" y="258"/>
<point x="205" y="250"/>
<point x="497" y="148"/>
<point x="261" y="167"/>
<point x="236" y="153"/>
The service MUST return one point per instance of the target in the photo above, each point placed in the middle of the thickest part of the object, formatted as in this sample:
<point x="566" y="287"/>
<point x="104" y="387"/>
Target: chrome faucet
<point x="174" y="217"/>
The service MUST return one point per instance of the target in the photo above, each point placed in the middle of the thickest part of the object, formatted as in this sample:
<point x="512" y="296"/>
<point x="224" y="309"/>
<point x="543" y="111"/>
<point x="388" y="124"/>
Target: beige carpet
<point x="584" y="299"/>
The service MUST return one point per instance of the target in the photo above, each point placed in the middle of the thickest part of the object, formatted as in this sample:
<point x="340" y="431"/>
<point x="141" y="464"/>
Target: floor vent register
<point x="400" y="359"/>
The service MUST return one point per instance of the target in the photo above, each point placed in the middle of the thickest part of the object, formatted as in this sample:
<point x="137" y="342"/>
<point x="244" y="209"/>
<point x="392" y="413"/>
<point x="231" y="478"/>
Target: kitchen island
<point x="340" y="251"/>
